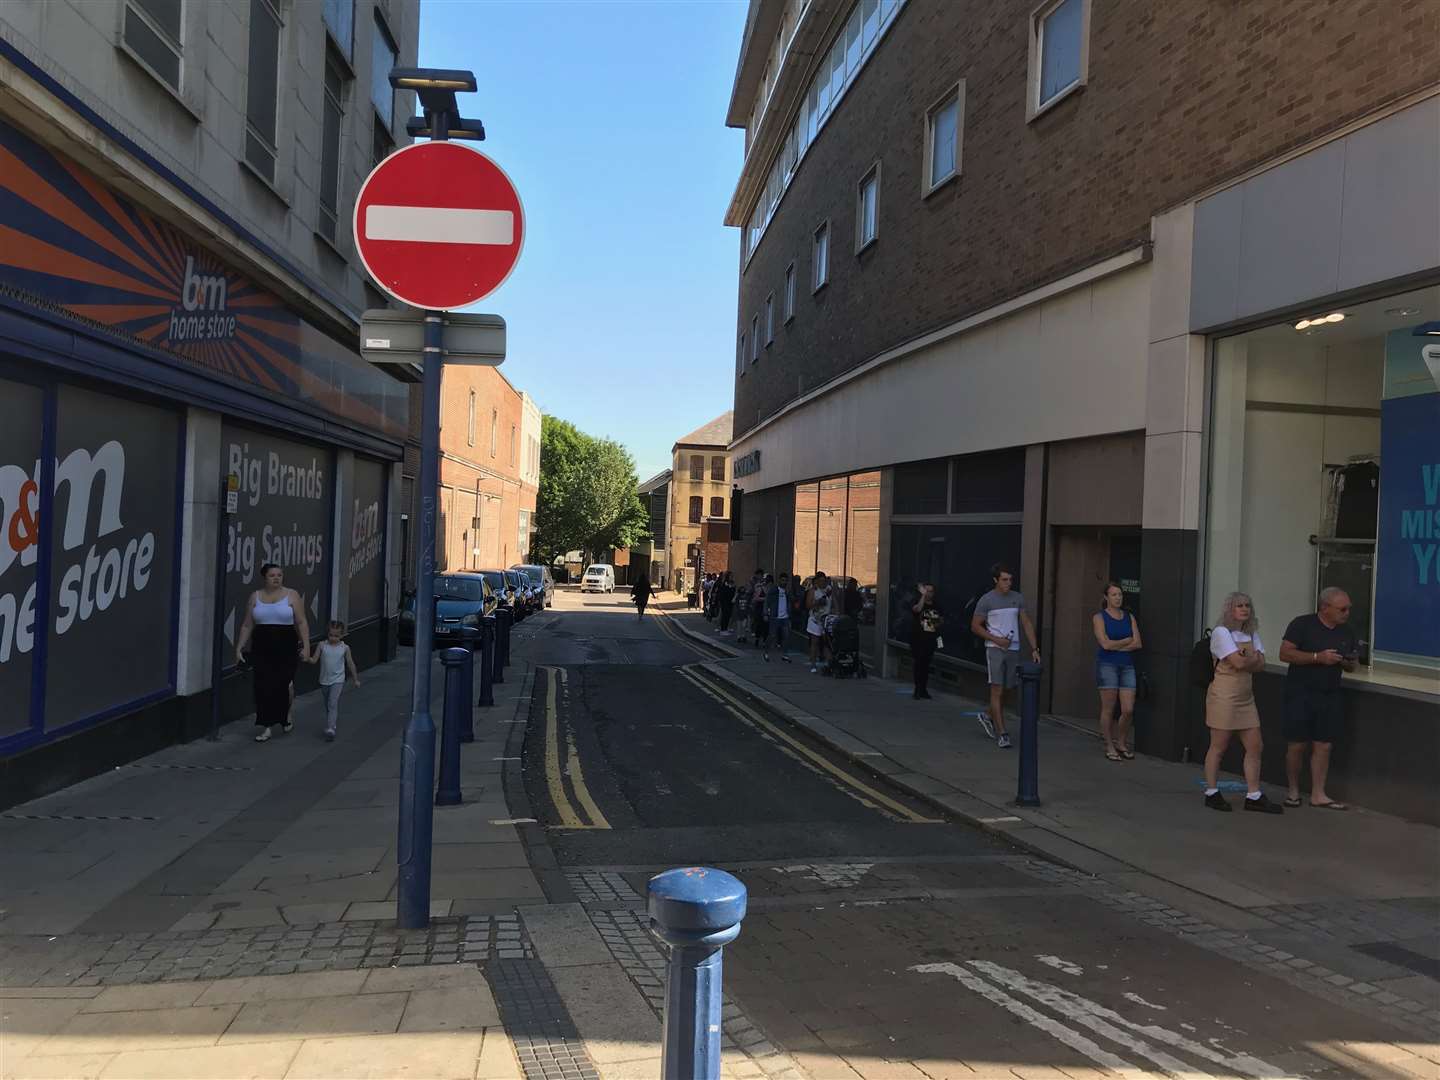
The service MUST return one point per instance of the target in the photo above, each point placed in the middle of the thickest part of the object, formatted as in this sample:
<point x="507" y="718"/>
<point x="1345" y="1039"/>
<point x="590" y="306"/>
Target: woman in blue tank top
<point x="1117" y="636"/>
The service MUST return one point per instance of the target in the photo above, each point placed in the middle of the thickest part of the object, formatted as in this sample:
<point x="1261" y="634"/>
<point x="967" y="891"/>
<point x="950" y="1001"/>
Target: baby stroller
<point x="842" y="642"/>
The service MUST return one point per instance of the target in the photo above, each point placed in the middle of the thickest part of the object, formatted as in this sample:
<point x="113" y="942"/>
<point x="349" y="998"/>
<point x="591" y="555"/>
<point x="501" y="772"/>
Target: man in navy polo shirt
<point x="1318" y="647"/>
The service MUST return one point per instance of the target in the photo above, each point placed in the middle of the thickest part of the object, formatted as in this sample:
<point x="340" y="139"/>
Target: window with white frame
<point x="754" y="339"/>
<point x="851" y="47"/>
<point x="152" y="34"/>
<point x="942" y="138"/>
<point x="820" y="258"/>
<point x="262" y="90"/>
<point x="789" y="292"/>
<point x="1059" y="51"/>
<point x="867" y="208"/>
<point x="770" y="320"/>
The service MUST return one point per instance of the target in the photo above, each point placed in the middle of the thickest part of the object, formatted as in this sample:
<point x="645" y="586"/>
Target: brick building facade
<point x="1101" y="289"/>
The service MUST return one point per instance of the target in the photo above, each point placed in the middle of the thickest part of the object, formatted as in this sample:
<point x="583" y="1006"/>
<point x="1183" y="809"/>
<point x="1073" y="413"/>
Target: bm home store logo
<point x="201" y="315"/>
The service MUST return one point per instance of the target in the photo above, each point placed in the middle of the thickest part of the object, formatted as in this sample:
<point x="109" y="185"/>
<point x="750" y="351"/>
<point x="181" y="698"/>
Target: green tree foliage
<point x="588" y="500"/>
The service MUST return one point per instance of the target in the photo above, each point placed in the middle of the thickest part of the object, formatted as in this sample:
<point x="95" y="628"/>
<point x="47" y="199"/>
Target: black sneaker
<point x="1262" y="805"/>
<point x="1217" y="802"/>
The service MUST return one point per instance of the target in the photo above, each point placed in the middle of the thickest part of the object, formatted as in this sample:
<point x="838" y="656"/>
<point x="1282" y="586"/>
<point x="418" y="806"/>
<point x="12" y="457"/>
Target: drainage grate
<point x="546" y="1040"/>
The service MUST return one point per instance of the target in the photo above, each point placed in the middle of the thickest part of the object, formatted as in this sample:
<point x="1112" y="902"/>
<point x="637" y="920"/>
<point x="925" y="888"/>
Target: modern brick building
<point x="1104" y="289"/>
<point x="180" y="300"/>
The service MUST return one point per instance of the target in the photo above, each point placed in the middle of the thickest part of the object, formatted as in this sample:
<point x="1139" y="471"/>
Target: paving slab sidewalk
<point x="1356" y="895"/>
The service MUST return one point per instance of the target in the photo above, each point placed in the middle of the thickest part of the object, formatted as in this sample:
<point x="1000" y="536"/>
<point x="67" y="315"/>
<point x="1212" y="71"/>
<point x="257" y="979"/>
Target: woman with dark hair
<point x="279" y="638"/>
<point x="640" y="593"/>
<point x="1117" y="636"/>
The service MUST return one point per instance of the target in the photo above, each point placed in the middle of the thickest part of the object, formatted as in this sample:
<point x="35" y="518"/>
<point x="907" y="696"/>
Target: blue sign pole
<point x="697" y="910"/>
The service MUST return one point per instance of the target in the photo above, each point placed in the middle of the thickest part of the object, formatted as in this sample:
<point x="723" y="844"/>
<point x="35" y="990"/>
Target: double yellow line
<point x="867" y="794"/>
<point x="570" y="816"/>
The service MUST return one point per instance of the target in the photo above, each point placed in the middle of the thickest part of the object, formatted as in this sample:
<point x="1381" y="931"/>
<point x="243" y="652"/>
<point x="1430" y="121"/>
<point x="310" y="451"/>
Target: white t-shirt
<point x="1223" y="642"/>
<point x="332" y="662"/>
<point x="782" y="604"/>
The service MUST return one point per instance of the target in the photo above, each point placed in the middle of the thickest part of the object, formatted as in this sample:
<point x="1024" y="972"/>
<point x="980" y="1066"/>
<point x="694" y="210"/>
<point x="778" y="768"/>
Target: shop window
<point x="1323" y="473"/>
<point x="697" y="508"/>
<point x="717" y="468"/>
<point x="920" y="487"/>
<point x="263" y="88"/>
<point x="990" y="482"/>
<point x="20" y="441"/>
<point x="697" y="467"/>
<point x="717" y="507"/>
<point x="956" y="559"/>
<point x="152" y="35"/>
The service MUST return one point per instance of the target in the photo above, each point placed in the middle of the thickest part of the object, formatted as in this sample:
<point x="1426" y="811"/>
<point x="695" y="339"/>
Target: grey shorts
<point x="1003" y="667"/>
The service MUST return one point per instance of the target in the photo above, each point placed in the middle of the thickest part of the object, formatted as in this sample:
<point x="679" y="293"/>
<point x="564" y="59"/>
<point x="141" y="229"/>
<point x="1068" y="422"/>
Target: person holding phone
<point x="1318" y="647"/>
<point x="926" y="621"/>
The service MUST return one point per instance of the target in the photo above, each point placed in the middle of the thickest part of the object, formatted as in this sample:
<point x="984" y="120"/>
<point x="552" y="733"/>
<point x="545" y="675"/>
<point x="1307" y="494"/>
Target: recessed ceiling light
<point x="1402" y="312"/>
<point x="1335" y="316"/>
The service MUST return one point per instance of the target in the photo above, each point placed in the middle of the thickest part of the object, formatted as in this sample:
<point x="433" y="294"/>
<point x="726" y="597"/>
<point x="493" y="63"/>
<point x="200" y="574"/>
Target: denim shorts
<point x="1115" y="676"/>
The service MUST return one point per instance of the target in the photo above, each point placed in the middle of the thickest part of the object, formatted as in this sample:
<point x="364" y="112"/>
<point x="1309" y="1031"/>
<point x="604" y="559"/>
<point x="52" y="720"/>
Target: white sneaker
<point x="1003" y="742"/>
<point x="985" y="724"/>
<point x="264" y="736"/>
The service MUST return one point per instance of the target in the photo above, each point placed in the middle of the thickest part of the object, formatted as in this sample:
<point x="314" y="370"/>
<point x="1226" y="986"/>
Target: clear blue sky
<point x="610" y="119"/>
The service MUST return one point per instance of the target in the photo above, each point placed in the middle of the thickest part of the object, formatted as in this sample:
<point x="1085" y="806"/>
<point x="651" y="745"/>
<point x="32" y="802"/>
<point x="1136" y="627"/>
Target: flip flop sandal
<point x="1331" y="805"/>
<point x="1111" y="755"/>
<point x="1128" y="755"/>
<point x="1293" y="803"/>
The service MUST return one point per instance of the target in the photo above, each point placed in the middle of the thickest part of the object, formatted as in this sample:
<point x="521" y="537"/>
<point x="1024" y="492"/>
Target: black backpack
<point x="1202" y="663"/>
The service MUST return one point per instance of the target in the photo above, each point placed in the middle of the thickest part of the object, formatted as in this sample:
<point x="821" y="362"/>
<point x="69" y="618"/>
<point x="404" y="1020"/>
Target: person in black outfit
<point x="640" y="592"/>
<point x="724" y="590"/>
<point x="925" y="622"/>
<point x="1318" y="647"/>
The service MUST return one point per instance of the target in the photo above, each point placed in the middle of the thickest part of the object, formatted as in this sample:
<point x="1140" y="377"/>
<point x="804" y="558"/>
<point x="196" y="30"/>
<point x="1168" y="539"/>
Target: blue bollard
<point x="471" y="637"/>
<point x="697" y="910"/>
<point x="1029" y="790"/>
<point x="502" y="627"/>
<point x="487" y="661"/>
<point x="507" y="631"/>
<point x="457" y="703"/>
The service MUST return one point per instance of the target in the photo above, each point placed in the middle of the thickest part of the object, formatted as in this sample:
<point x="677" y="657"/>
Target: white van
<point x="599" y="577"/>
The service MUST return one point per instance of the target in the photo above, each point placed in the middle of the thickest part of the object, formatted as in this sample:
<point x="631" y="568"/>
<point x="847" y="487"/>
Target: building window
<point x="524" y="535"/>
<point x="696" y="508"/>
<point x="770" y="320"/>
<point x="717" y="507"/>
<point x="852" y="46"/>
<point x="867" y="209"/>
<point x="332" y="145"/>
<point x="789" y="292"/>
<point x="494" y="429"/>
<point x="697" y="466"/>
<point x="153" y="36"/>
<point x="263" y="88"/>
<point x="470" y="421"/>
<point x="382" y="145"/>
<point x="942" y="139"/>
<point x="1059" y="52"/>
<point x="717" y="469"/>
<point x="382" y="61"/>
<point x="740" y="361"/>
<point x="821" y="258"/>
<point x="513" y="447"/>
<point x="339" y="16"/>
<point x="754" y="339"/>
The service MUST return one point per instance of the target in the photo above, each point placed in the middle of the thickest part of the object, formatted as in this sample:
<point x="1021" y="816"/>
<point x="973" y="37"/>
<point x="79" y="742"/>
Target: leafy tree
<point x="587" y="499"/>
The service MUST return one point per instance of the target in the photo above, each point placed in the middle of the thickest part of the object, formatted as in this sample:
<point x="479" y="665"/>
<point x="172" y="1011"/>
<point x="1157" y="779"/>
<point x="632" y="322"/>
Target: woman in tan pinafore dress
<point x="1230" y="702"/>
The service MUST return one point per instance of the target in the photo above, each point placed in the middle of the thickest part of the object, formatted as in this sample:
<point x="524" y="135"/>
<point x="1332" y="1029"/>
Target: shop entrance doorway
<point x="1085" y="559"/>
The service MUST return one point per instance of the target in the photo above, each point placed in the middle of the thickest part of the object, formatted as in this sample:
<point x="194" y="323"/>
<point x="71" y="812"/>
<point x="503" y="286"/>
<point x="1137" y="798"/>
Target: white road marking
<point x="997" y="820"/>
<point x="439" y="225"/>
<point x="1138" y="1000"/>
<point x="1060" y="964"/>
<point x="1056" y="1030"/>
<point x="512" y="821"/>
<point x="1107" y="1022"/>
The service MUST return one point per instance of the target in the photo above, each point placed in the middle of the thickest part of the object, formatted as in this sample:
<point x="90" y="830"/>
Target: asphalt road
<point x="882" y="940"/>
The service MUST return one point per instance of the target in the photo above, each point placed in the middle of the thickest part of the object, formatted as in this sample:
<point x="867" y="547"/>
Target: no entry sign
<point x="438" y="225"/>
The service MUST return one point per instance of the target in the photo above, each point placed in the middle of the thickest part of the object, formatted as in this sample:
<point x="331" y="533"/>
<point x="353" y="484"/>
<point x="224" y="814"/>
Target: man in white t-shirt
<point x="999" y="619"/>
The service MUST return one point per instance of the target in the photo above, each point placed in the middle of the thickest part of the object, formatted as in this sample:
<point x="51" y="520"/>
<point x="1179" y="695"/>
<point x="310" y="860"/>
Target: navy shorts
<point x="1115" y="676"/>
<point x="1312" y="716"/>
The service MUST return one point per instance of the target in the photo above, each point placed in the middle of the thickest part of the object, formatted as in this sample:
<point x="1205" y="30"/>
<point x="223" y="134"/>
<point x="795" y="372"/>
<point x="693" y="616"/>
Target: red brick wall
<point x="1180" y="96"/>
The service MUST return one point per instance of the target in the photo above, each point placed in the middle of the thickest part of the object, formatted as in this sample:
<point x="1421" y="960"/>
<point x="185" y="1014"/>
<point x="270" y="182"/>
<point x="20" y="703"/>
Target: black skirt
<point x="274" y="655"/>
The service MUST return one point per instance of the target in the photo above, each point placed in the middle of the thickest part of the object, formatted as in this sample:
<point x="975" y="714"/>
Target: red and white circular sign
<point x="438" y="225"/>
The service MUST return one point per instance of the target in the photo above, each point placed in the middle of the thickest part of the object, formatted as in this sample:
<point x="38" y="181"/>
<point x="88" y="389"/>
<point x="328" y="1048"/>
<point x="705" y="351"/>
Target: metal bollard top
<point x="454" y="655"/>
<point x="696" y="899"/>
<point x="1028" y="670"/>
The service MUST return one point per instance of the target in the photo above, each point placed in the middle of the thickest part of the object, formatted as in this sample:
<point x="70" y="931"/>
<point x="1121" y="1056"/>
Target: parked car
<point x="524" y="594"/>
<point x="599" y="577"/>
<point x="504" y="591"/>
<point x="460" y="601"/>
<point x="541" y="578"/>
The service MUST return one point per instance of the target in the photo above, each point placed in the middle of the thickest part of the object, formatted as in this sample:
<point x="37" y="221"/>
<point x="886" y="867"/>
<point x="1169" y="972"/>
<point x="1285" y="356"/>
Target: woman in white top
<point x="279" y="638"/>
<point x="1230" y="709"/>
